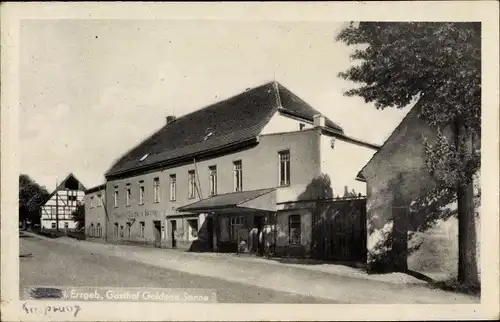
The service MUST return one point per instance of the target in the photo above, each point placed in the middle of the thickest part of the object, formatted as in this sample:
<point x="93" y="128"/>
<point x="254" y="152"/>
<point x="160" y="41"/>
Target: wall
<point x="342" y="163"/>
<point x="64" y="208"/>
<point x="284" y="124"/>
<point x="396" y="177"/>
<point x="283" y="246"/>
<point x="94" y="214"/>
<point x="260" y="170"/>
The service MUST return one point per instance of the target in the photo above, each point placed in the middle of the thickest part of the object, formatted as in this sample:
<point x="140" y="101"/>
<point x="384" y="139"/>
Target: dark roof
<point x="227" y="200"/>
<point x="96" y="188"/>
<point x="234" y="120"/>
<point x="72" y="180"/>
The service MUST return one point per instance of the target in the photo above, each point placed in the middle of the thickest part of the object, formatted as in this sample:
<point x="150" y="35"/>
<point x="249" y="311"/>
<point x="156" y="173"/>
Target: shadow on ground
<point x="450" y="285"/>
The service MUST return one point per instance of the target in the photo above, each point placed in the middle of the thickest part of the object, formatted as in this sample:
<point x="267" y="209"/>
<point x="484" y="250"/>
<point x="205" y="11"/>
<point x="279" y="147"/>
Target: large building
<point x="217" y="178"/>
<point x="55" y="212"/>
<point x="95" y="212"/>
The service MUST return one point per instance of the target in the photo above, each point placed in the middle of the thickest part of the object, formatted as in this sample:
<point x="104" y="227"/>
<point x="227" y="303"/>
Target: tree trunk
<point x="467" y="265"/>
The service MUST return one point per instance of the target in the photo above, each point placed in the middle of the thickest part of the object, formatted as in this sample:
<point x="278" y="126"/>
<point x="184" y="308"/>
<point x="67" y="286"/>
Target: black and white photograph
<point x="252" y="159"/>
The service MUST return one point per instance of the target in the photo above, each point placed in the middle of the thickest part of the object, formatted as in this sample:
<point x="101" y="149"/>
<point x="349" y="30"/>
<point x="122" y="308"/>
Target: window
<point x="53" y="225"/>
<point x="66" y="225"/>
<point x="115" y="232"/>
<point x="121" y="231"/>
<point x="213" y="180"/>
<point x="191" y="184"/>
<point x="92" y="202"/>
<point x="91" y="230"/>
<point x="99" y="200"/>
<point x="294" y="229"/>
<point x="129" y="193"/>
<point x="284" y="168"/>
<point x="129" y="231"/>
<point x="99" y="232"/>
<point x="72" y="198"/>
<point x="142" y="228"/>
<point x="156" y="184"/>
<point x="238" y="175"/>
<point x="173" y="188"/>
<point x="141" y="192"/>
<point x="116" y="196"/>
<point x="235" y="223"/>
<point x="301" y="126"/>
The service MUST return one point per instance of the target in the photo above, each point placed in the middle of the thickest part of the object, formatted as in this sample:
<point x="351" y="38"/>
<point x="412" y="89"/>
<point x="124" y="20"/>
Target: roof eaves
<point x="351" y="139"/>
<point x="171" y="162"/>
<point x="95" y="188"/>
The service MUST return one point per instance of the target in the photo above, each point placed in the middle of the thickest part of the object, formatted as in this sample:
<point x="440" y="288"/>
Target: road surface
<point x="46" y="263"/>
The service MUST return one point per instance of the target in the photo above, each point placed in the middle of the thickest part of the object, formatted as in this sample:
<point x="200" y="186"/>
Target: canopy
<point x="263" y="199"/>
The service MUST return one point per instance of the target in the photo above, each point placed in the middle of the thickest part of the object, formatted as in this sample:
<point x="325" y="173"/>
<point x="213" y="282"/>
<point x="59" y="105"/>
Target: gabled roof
<point x="69" y="179"/>
<point x="230" y="122"/>
<point x="409" y="115"/>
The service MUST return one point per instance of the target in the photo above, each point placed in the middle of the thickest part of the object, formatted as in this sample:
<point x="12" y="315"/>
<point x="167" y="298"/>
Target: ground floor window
<point x="91" y="230"/>
<point x="121" y="231"/>
<point x="142" y="228"/>
<point x="115" y="232"/>
<point x="66" y="225"/>
<point x="235" y="223"/>
<point x="294" y="231"/>
<point x="53" y="225"/>
<point x="99" y="231"/>
<point x="193" y="229"/>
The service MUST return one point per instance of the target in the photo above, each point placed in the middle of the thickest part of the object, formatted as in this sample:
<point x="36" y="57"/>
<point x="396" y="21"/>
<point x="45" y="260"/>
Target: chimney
<point x="170" y="119"/>
<point x="319" y="120"/>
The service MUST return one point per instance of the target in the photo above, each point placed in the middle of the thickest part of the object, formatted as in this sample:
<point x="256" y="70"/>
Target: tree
<point x="350" y="194"/>
<point x="438" y="64"/>
<point x="31" y="197"/>
<point x="79" y="217"/>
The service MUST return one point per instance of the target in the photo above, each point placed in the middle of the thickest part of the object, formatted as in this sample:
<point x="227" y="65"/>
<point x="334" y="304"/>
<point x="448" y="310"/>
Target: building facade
<point x="95" y="212"/>
<point x="234" y="176"/>
<point x="56" y="211"/>
<point x="399" y="214"/>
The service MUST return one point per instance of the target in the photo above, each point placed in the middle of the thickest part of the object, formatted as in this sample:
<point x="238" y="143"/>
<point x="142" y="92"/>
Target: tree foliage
<point x="31" y="197"/>
<point x="78" y="217"/>
<point x="350" y="193"/>
<point x="437" y="63"/>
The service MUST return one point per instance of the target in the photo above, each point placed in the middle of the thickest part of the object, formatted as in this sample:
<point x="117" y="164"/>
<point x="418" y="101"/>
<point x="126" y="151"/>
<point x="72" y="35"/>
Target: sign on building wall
<point x="136" y="214"/>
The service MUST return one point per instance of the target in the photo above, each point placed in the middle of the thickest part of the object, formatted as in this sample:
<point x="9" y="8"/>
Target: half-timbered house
<point x="55" y="212"/>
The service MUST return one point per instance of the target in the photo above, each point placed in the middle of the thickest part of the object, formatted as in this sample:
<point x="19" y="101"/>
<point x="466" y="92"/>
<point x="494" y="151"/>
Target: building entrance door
<point x="210" y="233"/>
<point x="157" y="232"/>
<point x="173" y="224"/>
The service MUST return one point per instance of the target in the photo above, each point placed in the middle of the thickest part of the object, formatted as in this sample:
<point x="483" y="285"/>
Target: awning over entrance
<point x="263" y="199"/>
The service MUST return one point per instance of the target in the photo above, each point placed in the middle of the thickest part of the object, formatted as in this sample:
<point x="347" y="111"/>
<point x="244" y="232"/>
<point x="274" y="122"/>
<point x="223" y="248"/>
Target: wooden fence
<point x="339" y="230"/>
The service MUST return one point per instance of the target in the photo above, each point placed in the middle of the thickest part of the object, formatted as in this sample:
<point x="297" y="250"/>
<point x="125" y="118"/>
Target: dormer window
<point x="144" y="157"/>
<point x="208" y="136"/>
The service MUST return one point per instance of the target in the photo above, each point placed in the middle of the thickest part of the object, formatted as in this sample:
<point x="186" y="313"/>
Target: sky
<point x="90" y="90"/>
